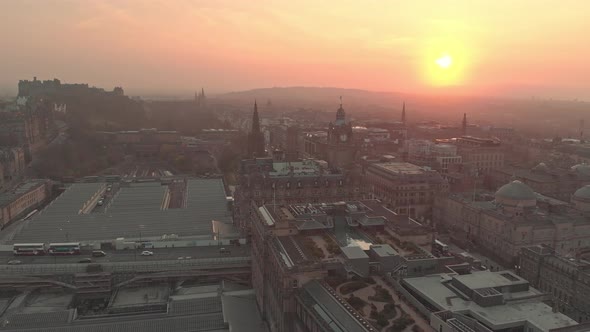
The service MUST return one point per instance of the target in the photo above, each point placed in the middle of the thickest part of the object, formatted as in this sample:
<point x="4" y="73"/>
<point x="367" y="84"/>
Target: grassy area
<point x="313" y="248"/>
<point x="331" y="245"/>
<point x="381" y="295"/>
<point x="356" y="302"/>
<point x="401" y="323"/>
<point x="382" y="317"/>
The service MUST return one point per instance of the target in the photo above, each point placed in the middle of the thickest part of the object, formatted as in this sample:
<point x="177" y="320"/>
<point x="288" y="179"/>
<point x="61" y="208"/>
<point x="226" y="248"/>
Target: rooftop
<point x="23" y="188"/>
<point x="134" y="209"/>
<point x="354" y="253"/>
<point x="400" y="168"/>
<point x="489" y="279"/>
<point x="219" y="308"/>
<point x="435" y="290"/>
<point x="384" y="250"/>
<point x="333" y="311"/>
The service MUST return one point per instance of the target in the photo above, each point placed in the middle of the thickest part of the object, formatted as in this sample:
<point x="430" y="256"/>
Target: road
<point x="133" y="255"/>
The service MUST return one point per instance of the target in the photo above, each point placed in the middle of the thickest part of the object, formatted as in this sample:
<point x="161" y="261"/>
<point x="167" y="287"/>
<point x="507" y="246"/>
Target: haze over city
<point x="294" y="166"/>
<point x="520" y="48"/>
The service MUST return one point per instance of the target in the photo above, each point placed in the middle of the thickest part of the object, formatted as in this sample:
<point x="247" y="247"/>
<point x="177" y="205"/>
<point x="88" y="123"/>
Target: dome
<point x="583" y="193"/>
<point x="516" y="191"/>
<point x="582" y="169"/>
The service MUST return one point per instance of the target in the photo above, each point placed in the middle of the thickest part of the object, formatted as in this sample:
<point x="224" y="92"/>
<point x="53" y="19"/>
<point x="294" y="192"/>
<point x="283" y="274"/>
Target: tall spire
<point x="256" y="138"/>
<point x="404" y="112"/>
<point x="464" y="125"/>
<point x="255" y="119"/>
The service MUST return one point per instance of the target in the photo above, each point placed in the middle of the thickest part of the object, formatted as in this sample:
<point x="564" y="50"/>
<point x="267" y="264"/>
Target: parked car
<point x="100" y="203"/>
<point x="147" y="253"/>
<point x="98" y="253"/>
<point x="85" y="260"/>
<point x="14" y="262"/>
<point x="224" y="251"/>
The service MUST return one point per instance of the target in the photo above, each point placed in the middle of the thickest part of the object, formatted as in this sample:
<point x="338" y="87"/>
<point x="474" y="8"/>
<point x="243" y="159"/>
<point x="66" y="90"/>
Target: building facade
<point x="550" y="181"/>
<point x="501" y="224"/>
<point x="409" y="189"/>
<point x="23" y="199"/>
<point x="341" y="150"/>
<point x="567" y="280"/>
<point x="483" y="301"/>
<point x="262" y="181"/>
<point x="484" y="155"/>
<point x="296" y="246"/>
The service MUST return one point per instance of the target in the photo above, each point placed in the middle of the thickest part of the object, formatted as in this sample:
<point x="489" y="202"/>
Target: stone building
<point x="556" y="182"/>
<point x="147" y="143"/>
<point x="514" y="217"/>
<point x="30" y="127"/>
<point x="482" y="154"/>
<point x="262" y="181"/>
<point x="12" y="160"/>
<point x="409" y="189"/>
<point x="295" y="247"/>
<point x="23" y="199"/>
<point x="337" y="146"/>
<point x="567" y="280"/>
<point x="483" y="301"/>
<point x="287" y="139"/>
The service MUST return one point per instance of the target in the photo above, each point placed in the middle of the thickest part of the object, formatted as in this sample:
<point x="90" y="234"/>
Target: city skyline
<point x="459" y="47"/>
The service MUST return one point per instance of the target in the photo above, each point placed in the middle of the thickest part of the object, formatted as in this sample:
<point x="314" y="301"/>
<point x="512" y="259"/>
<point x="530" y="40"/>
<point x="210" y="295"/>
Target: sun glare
<point x="444" y="61"/>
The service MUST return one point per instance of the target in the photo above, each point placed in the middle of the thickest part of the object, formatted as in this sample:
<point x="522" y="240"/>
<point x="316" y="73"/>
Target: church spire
<point x="464" y="124"/>
<point x="404" y="112"/>
<point x="255" y="119"/>
<point x="256" y="138"/>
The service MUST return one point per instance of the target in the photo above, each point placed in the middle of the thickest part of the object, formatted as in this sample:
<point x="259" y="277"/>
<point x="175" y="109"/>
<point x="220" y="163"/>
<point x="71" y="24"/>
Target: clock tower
<point x="341" y="149"/>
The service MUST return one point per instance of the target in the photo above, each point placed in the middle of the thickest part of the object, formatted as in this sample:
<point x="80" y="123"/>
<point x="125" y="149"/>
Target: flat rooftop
<point x="434" y="290"/>
<point x="134" y="209"/>
<point x="488" y="279"/>
<point x="139" y="296"/>
<point x="400" y="168"/>
<point x="223" y="307"/>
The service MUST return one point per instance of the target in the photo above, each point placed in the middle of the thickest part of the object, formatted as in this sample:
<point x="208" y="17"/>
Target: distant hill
<point x="546" y="116"/>
<point x="315" y="95"/>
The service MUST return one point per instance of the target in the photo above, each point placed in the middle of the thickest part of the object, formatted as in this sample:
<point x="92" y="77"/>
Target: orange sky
<point x="524" y="47"/>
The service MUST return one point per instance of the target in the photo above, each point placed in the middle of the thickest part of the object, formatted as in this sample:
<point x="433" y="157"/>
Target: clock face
<point x="343" y="137"/>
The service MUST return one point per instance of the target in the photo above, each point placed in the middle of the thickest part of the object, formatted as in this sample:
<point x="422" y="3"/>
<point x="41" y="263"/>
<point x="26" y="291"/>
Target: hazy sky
<point x="526" y="47"/>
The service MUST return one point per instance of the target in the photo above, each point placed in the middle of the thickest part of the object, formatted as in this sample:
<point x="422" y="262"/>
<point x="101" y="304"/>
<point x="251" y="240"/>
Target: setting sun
<point x="445" y="61"/>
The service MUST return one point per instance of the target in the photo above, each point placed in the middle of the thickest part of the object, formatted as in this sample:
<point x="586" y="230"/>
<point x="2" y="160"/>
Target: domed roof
<point x="583" y="193"/>
<point x="516" y="190"/>
<point x="582" y="169"/>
